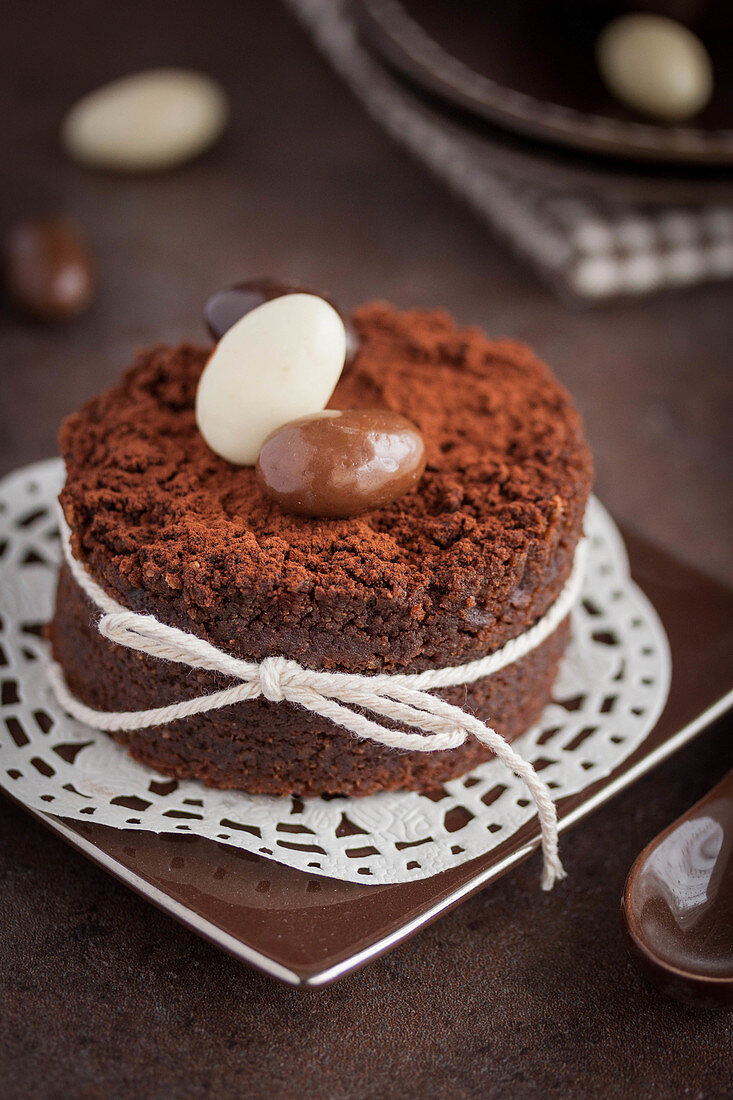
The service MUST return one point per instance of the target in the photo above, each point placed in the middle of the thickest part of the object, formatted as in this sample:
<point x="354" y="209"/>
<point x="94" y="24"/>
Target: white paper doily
<point x="611" y="688"/>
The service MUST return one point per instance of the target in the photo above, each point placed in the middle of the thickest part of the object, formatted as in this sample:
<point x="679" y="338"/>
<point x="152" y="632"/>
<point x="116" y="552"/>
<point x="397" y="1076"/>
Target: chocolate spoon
<point x="677" y="906"/>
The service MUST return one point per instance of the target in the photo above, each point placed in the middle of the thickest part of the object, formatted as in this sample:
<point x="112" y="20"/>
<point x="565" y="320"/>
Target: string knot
<point x="271" y="673"/>
<point x="346" y="700"/>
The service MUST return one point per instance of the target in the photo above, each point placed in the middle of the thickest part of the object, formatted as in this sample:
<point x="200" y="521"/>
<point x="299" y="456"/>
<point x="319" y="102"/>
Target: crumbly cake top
<point x="453" y="567"/>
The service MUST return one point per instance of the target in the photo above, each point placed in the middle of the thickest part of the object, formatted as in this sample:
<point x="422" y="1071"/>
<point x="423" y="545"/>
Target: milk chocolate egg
<point x="341" y="463"/>
<point x="49" y="269"/>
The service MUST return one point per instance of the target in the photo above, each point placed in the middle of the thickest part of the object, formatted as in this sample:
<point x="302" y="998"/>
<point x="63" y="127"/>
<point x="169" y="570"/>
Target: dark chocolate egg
<point x="226" y="307"/>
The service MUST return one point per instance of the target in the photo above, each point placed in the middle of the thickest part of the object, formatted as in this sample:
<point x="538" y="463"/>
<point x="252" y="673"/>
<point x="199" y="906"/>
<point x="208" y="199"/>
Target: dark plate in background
<point x="529" y="66"/>
<point x="308" y="930"/>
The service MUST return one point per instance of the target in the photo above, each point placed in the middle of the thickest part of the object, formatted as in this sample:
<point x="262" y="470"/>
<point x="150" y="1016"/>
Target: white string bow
<point x="401" y="697"/>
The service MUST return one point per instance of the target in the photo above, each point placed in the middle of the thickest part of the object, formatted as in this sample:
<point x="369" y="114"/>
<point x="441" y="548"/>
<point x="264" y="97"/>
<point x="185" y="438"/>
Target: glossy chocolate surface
<point x="49" y="270"/>
<point x="226" y="307"/>
<point x="678" y="903"/>
<point x="341" y="463"/>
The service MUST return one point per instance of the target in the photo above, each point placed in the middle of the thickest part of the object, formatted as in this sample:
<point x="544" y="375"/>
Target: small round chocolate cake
<point x="471" y="556"/>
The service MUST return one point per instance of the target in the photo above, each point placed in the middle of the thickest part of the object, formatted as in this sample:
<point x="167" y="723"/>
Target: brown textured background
<point x="515" y="994"/>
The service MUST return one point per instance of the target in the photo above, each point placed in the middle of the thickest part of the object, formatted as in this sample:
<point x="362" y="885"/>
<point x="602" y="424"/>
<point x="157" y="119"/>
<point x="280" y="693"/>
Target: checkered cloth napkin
<point x="588" y="246"/>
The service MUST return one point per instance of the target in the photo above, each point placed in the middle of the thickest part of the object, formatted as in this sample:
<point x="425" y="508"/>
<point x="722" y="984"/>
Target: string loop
<point x="402" y="698"/>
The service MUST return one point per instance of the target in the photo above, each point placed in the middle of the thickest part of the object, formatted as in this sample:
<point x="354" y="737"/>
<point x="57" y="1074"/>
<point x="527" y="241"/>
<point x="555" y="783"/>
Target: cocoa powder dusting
<point x="467" y="559"/>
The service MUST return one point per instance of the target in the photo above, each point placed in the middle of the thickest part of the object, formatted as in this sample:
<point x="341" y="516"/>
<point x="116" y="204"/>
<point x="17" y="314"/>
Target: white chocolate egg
<point x="278" y="363"/>
<point x="656" y="66"/>
<point x="147" y="121"/>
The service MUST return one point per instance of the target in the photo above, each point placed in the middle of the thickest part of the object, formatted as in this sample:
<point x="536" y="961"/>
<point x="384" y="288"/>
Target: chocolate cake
<point x="468" y="559"/>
